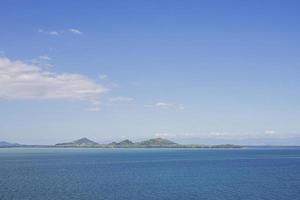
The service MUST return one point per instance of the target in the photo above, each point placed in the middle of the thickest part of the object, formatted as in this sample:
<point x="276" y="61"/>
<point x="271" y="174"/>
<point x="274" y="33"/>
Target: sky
<point x="190" y="71"/>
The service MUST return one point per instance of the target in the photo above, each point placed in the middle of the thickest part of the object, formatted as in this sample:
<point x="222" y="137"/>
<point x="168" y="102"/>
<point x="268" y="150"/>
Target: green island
<point x="151" y="143"/>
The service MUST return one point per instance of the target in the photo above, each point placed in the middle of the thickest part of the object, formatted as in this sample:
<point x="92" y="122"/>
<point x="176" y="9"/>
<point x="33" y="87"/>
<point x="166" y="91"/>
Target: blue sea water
<point x="144" y="174"/>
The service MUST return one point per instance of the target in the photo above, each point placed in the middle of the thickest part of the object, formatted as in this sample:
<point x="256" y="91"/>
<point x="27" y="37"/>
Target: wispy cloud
<point x="54" y="33"/>
<point x="121" y="99"/>
<point x="42" y="61"/>
<point x="44" y="57"/>
<point x="19" y="80"/>
<point x="103" y="76"/>
<point x="75" y="31"/>
<point x="167" y="106"/>
<point x="60" y="32"/>
<point x="270" y="132"/>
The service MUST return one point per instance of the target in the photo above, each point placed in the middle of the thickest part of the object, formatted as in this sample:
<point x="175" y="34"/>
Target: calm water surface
<point x="144" y="174"/>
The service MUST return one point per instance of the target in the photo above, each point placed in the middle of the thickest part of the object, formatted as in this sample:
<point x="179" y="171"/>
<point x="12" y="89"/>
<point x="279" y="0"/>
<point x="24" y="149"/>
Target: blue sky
<point x="191" y="71"/>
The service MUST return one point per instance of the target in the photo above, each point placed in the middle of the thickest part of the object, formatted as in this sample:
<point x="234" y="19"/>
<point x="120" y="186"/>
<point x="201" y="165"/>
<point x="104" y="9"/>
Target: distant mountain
<point x="157" y="142"/>
<point x="7" y="144"/>
<point x="152" y="143"/>
<point x="85" y="141"/>
<point x="125" y="142"/>
<point x="79" y="143"/>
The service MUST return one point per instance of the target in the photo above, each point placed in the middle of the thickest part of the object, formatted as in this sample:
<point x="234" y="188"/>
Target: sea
<point x="149" y="174"/>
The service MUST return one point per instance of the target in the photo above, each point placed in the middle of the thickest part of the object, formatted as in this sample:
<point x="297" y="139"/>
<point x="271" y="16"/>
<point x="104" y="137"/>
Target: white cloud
<point x="167" y="106"/>
<point x="44" y="57"/>
<point x="19" y="80"/>
<point x="75" y="31"/>
<point x="270" y="132"/>
<point x="103" y="76"/>
<point x="54" y="33"/>
<point x="42" y="62"/>
<point x="121" y="99"/>
<point x="60" y="32"/>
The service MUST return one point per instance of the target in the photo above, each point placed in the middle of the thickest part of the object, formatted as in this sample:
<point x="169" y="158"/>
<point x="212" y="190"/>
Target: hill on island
<point x="85" y="142"/>
<point x="157" y="142"/>
<point x="80" y="142"/>
<point x="125" y="142"/>
<point x="151" y="143"/>
<point x="8" y="144"/>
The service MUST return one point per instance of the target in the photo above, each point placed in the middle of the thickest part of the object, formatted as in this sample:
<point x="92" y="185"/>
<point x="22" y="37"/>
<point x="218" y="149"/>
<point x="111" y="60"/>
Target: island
<point x="151" y="143"/>
<point x="87" y="143"/>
